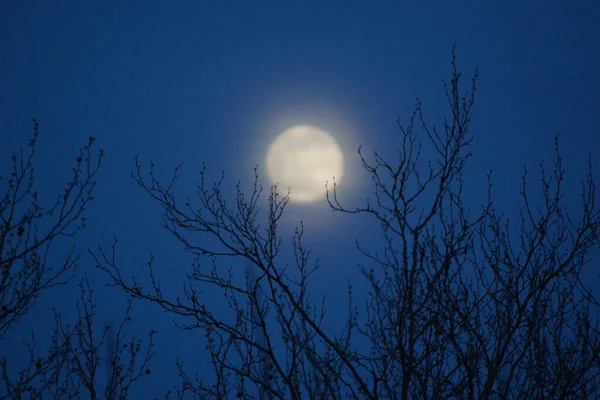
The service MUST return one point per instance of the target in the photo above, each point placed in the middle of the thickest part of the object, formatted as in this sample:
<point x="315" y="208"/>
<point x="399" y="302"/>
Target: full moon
<point x="303" y="158"/>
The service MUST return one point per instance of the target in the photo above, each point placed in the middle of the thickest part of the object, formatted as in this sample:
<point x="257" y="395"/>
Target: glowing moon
<point x="303" y="158"/>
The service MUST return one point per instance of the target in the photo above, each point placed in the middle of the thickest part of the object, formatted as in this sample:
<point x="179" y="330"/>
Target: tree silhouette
<point x="29" y="231"/>
<point x="462" y="304"/>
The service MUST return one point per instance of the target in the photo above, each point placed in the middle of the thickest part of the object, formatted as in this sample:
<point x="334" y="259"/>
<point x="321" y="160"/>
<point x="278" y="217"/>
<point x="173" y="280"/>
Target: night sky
<point x="184" y="82"/>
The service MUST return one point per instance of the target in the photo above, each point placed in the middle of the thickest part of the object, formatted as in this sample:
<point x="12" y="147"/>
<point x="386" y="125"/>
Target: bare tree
<point x="126" y="361"/>
<point x="73" y="367"/>
<point x="462" y="305"/>
<point x="469" y="306"/>
<point x="29" y="231"/>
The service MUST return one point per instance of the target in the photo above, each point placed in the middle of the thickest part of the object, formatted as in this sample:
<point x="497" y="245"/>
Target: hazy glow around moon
<point x="304" y="157"/>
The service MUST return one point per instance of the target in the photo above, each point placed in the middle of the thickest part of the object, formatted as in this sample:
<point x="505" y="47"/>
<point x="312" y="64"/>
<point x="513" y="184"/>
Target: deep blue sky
<point x="186" y="82"/>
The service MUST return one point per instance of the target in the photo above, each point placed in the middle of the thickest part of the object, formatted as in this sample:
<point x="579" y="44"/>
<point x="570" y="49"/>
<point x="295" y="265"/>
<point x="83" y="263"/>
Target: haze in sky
<point x="214" y="83"/>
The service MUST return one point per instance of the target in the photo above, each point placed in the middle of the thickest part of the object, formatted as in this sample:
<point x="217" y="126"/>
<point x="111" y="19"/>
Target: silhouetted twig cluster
<point x="29" y="231"/>
<point x="462" y="304"/>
